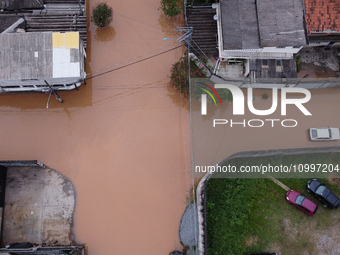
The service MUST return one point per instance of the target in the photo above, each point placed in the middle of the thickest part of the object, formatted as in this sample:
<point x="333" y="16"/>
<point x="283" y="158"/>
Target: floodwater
<point x="123" y="139"/>
<point x="252" y="132"/>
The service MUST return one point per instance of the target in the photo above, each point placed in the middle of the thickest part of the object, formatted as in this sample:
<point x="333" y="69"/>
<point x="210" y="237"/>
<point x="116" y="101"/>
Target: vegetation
<point x="101" y="15"/>
<point x="265" y="96"/>
<point x="171" y="7"/>
<point x="179" y="78"/>
<point x="298" y="63"/>
<point x="295" y="162"/>
<point x="224" y="94"/>
<point x="252" y="216"/>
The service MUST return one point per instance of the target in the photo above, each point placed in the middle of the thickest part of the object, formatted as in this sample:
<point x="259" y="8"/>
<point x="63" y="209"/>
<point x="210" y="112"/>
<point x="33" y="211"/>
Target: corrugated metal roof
<point x="29" y="56"/>
<point x="239" y="24"/>
<point x="250" y="24"/>
<point x="20" y="4"/>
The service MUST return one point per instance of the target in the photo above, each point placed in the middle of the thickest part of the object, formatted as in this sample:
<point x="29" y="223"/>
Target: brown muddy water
<point x="213" y="144"/>
<point x="123" y="139"/>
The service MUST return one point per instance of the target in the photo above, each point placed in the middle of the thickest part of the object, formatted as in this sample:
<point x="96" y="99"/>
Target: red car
<point x="301" y="202"/>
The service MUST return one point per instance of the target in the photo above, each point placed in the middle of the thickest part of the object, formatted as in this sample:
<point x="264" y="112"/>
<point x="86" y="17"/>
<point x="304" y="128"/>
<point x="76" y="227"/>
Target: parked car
<point x="327" y="197"/>
<point x="176" y="253"/>
<point x="301" y="202"/>
<point x="324" y="134"/>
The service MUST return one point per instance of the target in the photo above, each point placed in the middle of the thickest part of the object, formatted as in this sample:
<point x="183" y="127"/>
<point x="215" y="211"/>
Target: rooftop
<point x="322" y="16"/>
<point x="273" y="68"/>
<point x="250" y="24"/>
<point x="38" y="207"/>
<point x="6" y="20"/>
<point x="204" y="28"/>
<point x="39" y="55"/>
<point x="239" y="24"/>
<point x="20" y="5"/>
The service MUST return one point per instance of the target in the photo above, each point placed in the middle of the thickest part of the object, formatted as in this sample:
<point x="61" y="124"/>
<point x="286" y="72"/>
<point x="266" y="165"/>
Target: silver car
<point x="324" y="134"/>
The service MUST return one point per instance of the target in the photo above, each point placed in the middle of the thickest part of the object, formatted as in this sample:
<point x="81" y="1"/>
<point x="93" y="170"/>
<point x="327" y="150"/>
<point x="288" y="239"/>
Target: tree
<point x="101" y="15"/>
<point x="179" y="75"/>
<point x="171" y="7"/>
<point x="179" y="80"/>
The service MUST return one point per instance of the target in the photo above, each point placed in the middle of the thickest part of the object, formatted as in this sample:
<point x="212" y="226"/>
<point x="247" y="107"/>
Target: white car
<point x="324" y="134"/>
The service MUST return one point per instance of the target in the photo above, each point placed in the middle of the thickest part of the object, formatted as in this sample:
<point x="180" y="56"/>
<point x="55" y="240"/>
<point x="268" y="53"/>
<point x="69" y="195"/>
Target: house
<point x="264" y="34"/>
<point x="260" y="29"/>
<point x="41" y="61"/>
<point x="45" y="15"/>
<point x="42" y="45"/>
<point x="36" y="216"/>
<point x="322" y="21"/>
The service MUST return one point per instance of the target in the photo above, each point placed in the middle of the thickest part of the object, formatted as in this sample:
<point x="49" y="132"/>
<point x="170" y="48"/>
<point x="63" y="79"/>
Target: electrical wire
<point x="161" y="53"/>
<point x="131" y="59"/>
<point x="127" y="17"/>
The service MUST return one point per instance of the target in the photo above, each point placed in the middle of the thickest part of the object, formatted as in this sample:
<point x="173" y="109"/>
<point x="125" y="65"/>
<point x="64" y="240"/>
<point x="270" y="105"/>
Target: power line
<point x="161" y="53"/>
<point x="148" y="53"/>
<point x="127" y="17"/>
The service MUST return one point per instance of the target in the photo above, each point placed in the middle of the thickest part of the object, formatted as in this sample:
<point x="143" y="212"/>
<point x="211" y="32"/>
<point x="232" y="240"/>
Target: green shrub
<point x="298" y="63"/>
<point x="179" y="78"/>
<point x="247" y="215"/>
<point x="171" y="7"/>
<point x="265" y="96"/>
<point x="101" y="15"/>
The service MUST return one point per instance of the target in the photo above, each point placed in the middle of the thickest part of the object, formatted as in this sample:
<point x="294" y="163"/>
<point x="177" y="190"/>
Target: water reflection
<point x="105" y="35"/>
<point x="168" y="25"/>
<point x="177" y="99"/>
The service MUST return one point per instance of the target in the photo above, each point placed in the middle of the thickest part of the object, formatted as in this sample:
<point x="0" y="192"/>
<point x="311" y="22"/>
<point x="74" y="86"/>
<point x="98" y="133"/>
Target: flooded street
<point x="123" y="139"/>
<point x="252" y="132"/>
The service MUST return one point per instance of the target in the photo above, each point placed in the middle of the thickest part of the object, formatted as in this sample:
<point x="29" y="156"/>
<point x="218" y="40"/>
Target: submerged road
<point x="124" y="138"/>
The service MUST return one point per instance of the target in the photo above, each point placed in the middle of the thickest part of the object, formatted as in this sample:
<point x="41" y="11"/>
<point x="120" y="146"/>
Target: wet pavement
<point x="211" y="144"/>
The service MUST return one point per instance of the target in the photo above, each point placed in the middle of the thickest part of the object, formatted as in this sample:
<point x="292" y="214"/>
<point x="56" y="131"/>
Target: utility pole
<point x="187" y="38"/>
<point x="54" y="92"/>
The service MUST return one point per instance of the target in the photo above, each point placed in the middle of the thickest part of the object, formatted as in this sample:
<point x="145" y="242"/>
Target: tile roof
<point x="322" y="15"/>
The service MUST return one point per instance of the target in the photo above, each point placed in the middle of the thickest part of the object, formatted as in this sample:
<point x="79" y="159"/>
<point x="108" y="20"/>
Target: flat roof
<point x="250" y="24"/>
<point x="39" y="55"/>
